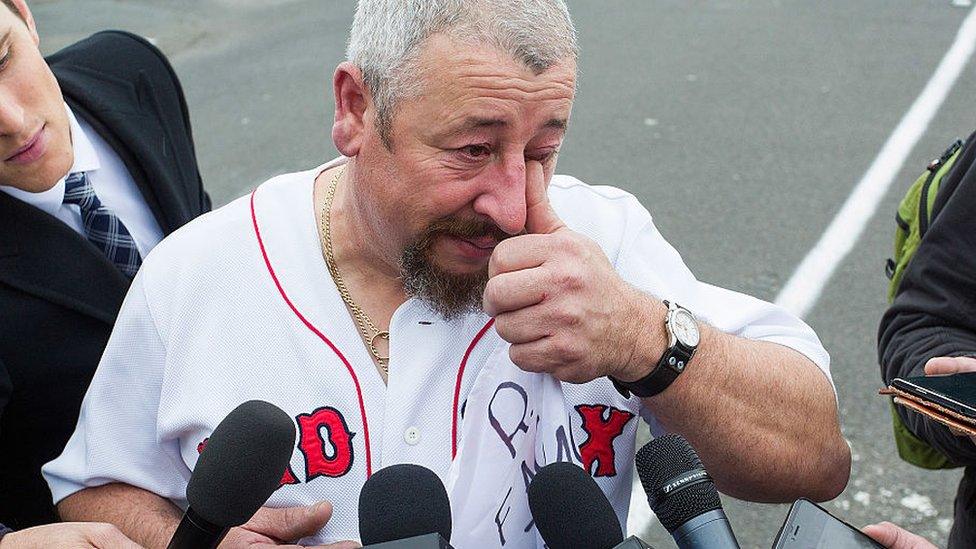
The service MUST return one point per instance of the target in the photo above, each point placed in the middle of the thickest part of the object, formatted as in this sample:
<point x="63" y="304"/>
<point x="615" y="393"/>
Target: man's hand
<point x="276" y="527"/>
<point x="69" y="535"/>
<point x="895" y="537"/>
<point x="947" y="365"/>
<point x="557" y="299"/>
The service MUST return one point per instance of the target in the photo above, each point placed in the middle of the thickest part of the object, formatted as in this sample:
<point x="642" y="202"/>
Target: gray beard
<point x="448" y="294"/>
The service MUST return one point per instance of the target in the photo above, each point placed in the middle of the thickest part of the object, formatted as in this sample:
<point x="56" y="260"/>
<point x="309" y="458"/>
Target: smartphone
<point x="809" y="526"/>
<point x="956" y="392"/>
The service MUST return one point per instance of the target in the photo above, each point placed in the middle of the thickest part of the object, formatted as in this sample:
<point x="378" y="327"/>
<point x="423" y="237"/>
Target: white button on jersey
<point x="412" y="436"/>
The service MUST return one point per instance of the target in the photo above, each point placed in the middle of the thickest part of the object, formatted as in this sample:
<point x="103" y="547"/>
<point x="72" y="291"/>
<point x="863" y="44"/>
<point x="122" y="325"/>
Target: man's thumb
<point x="944" y="365"/>
<point x="539" y="215"/>
<point x="895" y="537"/>
<point x="884" y="533"/>
<point x="291" y="523"/>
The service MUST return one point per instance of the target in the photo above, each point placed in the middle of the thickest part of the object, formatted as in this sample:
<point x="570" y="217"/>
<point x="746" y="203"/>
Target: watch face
<point x="685" y="328"/>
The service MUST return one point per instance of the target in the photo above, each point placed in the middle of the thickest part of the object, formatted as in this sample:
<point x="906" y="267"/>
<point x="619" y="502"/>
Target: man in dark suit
<point x="96" y="166"/>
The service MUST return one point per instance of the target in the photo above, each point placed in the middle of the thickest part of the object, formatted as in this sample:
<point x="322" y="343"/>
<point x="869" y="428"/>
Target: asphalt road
<point x="741" y="125"/>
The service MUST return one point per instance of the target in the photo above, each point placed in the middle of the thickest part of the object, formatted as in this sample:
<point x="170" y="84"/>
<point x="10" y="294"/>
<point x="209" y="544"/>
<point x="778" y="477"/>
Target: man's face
<point x="453" y="185"/>
<point x="35" y="140"/>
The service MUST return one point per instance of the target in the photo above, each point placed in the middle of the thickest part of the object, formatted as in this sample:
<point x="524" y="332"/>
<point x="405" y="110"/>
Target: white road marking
<point x="803" y="289"/>
<point x="806" y="284"/>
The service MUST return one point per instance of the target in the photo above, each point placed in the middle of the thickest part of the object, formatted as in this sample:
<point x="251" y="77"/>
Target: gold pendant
<point x="372" y="345"/>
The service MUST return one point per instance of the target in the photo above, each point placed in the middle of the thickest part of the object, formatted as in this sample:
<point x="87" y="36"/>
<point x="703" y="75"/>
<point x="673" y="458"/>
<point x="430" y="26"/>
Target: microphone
<point x="235" y="474"/>
<point x="571" y="511"/>
<point x="682" y="494"/>
<point x="404" y="506"/>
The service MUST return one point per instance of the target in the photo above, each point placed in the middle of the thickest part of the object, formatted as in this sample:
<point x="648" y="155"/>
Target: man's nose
<point x="503" y="199"/>
<point x="11" y="116"/>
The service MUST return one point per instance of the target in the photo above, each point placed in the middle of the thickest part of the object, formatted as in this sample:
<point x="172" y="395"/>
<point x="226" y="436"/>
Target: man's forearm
<point x="763" y="418"/>
<point x="146" y="518"/>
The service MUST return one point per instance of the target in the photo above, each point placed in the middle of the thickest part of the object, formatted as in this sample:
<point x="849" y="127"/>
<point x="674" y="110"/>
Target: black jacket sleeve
<point x="934" y="313"/>
<point x="5" y="390"/>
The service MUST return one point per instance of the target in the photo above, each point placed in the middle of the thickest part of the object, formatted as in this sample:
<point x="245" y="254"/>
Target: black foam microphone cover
<point x="242" y="464"/>
<point x="570" y="510"/>
<point x="661" y="461"/>
<point x="403" y="501"/>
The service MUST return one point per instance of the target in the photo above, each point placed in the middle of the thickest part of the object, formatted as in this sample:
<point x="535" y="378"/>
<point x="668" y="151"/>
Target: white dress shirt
<point x="113" y="185"/>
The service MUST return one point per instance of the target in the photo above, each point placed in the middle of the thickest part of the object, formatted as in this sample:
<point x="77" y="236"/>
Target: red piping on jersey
<point x="352" y="373"/>
<point x="457" y="386"/>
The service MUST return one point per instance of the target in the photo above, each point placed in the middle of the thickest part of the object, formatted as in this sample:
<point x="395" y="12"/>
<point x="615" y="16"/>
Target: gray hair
<point x="387" y="36"/>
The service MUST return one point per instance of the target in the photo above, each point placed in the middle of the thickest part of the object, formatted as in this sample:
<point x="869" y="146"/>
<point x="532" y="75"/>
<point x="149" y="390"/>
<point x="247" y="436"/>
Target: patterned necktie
<point x="102" y="227"/>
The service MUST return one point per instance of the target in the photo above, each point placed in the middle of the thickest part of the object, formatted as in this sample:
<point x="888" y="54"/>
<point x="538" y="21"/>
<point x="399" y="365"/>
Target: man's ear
<point x="352" y="100"/>
<point x="25" y="13"/>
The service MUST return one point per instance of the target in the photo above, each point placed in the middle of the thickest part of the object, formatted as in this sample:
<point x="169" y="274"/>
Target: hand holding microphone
<point x="237" y="472"/>
<point x="271" y="528"/>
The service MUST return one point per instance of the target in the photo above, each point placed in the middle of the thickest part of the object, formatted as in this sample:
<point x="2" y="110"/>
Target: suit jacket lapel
<point x="42" y="256"/>
<point x="126" y="115"/>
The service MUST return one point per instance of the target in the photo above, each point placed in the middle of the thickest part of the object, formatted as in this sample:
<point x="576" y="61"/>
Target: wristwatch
<point x="683" y="338"/>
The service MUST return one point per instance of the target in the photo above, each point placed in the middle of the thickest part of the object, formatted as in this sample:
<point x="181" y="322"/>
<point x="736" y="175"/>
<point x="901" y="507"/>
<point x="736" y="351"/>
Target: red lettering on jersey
<point x="202" y="445"/>
<point x="321" y="460"/>
<point x="288" y="478"/>
<point x="598" y="446"/>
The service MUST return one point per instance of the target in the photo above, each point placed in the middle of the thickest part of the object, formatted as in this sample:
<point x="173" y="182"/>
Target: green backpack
<point x="913" y="219"/>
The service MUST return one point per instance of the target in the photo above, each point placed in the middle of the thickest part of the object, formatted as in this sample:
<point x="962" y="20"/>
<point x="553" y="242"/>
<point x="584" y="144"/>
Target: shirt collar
<point x="86" y="160"/>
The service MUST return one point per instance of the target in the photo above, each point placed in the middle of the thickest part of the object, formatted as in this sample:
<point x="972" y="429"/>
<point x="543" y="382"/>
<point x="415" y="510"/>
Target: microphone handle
<point x="633" y="542"/>
<point x="425" y="541"/>
<point x="709" y="530"/>
<point x="194" y="532"/>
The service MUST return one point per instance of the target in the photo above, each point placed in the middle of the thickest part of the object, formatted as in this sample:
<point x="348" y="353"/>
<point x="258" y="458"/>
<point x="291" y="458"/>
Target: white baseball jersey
<point x="239" y="305"/>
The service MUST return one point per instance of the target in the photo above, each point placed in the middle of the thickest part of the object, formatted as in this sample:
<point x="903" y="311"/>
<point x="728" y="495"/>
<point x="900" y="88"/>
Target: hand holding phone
<point x="946" y="365"/>
<point x="948" y="399"/>
<point x="893" y="536"/>
<point x="809" y="526"/>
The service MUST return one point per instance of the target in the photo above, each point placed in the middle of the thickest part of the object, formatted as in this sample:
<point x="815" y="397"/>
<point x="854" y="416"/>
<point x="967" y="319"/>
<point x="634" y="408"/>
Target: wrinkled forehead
<point x="444" y="52"/>
<point x="453" y="75"/>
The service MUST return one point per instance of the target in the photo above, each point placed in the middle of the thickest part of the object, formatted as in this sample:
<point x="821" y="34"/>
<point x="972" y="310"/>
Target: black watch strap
<point x="661" y="377"/>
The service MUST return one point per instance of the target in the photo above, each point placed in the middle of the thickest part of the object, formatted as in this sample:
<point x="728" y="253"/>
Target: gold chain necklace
<point x="367" y="329"/>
